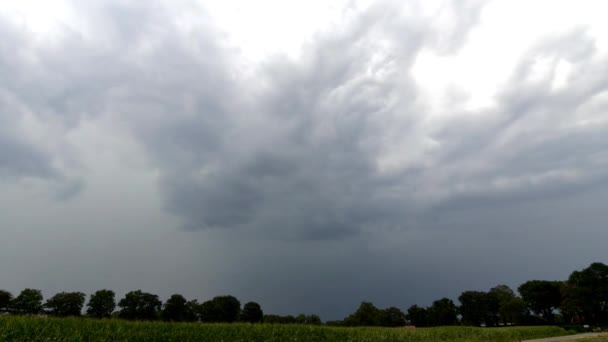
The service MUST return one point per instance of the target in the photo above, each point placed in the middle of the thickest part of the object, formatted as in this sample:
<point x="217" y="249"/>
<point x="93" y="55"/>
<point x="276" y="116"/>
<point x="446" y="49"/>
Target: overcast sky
<point x="306" y="155"/>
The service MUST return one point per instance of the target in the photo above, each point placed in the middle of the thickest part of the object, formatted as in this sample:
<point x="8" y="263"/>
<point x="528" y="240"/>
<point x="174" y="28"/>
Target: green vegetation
<point x="24" y="328"/>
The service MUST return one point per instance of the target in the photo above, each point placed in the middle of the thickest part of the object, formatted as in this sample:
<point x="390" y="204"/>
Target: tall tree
<point x="542" y="297"/>
<point x="175" y="309"/>
<point x="443" y="312"/>
<point x="5" y="300"/>
<point x="474" y="307"/>
<point x="392" y="317"/>
<point x="498" y="297"/>
<point x="65" y="304"/>
<point x="220" y="309"/>
<point x="586" y="294"/>
<point x="101" y="304"/>
<point x="138" y="305"/>
<point x="28" y="302"/>
<point x="418" y="316"/>
<point x="366" y="315"/>
<point x="252" y="313"/>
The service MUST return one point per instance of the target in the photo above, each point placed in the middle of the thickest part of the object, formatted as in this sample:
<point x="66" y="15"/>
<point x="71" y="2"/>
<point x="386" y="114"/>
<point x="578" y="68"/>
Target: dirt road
<point x="568" y="338"/>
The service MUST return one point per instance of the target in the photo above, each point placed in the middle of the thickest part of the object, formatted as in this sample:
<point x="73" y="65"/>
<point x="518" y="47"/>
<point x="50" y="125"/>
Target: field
<point x="14" y="328"/>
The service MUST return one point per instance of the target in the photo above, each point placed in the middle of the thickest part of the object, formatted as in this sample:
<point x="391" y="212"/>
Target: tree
<point x="498" y="297"/>
<point x="101" y="304"/>
<point x="586" y="294"/>
<point x="474" y="307"/>
<point x="220" y="309"/>
<point x="542" y="297"/>
<point x="392" y="317"/>
<point x="28" y="302"/>
<point x="312" y="320"/>
<point x="443" y="312"/>
<point x="418" y="316"/>
<point x="366" y="315"/>
<point x="192" y="311"/>
<point x="175" y="309"/>
<point x="513" y="311"/>
<point x="138" y="305"/>
<point x="5" y="300"/>
<point x="252" y="313"/>
<point x="65" y="304"/>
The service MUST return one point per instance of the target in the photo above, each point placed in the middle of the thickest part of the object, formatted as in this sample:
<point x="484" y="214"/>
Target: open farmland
<point x="14" y="328"/>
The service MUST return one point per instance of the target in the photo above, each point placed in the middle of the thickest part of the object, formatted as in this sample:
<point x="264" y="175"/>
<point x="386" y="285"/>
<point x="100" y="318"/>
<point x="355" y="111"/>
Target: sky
<point x="305" y="155"/>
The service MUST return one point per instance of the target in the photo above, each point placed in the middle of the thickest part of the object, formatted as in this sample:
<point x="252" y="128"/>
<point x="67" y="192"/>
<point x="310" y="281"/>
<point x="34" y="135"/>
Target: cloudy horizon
<point x="306" y="156"/>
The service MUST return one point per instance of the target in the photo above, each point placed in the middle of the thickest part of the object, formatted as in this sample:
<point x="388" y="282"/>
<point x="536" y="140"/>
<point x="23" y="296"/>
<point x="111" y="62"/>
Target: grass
<point x="14" y="328"/>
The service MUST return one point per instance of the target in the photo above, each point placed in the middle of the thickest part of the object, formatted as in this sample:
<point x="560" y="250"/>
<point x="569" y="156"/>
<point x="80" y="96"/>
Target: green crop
<point x="16" y="328"/>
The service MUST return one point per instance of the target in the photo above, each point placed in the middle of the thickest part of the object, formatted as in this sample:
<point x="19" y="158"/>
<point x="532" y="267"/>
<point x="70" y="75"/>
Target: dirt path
<point x="568" y="338"/>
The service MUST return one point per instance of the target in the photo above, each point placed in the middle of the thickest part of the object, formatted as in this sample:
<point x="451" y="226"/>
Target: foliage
<point x="443" y="312"/>
<point x="586" y="294"/>
<point x="474" y="307"/>
<point x="220" y="309"/>
<point x="418" y="316"/>
<point x="28" y="302"/>
<point x="101" y="304"/>
<point x="139" y="305"/>
<point x="252" y="313"/>
<point x="178" y="309"/>
<point x="65" y="304"/>
<point x="5" y="300"/>
<point x="542" y="297"/>
<point x="14" y="328"/>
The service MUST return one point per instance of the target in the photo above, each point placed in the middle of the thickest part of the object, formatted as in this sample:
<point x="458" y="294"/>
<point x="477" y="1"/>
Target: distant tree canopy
<point x="177" y="309"/>
<point x="368" y="315"/>
<point x="101" y="304"/>
<point x="500" y="305"/>
<point x="585" y="295"/>
<point x="5" y="300"/>
<point x="581" y="299"/>
<point x="252" y="313"/>
<point x="138" y="305"/>
<point x="65" y="304"/>
<point x="542" y="297"/>
<point x="443" y="312"/>
<point x="418" y="316"/>
<point x="28" y="302"/>
<point x="220" y="309"/>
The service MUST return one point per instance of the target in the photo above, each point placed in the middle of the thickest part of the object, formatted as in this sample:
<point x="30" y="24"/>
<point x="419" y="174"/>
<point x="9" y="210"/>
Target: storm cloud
<point x="313" y="180"/>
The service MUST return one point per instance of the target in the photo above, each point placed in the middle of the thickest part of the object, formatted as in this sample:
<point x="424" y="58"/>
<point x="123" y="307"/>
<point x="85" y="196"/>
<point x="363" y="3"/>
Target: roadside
<point x="579" y="337"/>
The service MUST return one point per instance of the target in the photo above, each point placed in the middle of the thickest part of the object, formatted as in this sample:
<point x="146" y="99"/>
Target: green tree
<point x="443" y="312"/>
<point x="220" y="309"/>
<point x="5" y="300"/>
<point x="498" y="297"/>
<point x="542" y="297"/>
<point x="252" y="313"/>
<point x="138" y="305"/>
<point x="192" y="311"/>
<point x="366" y="315"/>
<point x="392" y="317"/>
<point x="474" y="307"/>
<point x="513" y="311"/>
<point x="586" y="294"/>
<point x="28" y="302"/>
<point x="101" y="304"/>
<point x="175" y="309"/>
<point x="312" y="320"/>
<point x="65" y="304"/>
<point x="418" y="316"/>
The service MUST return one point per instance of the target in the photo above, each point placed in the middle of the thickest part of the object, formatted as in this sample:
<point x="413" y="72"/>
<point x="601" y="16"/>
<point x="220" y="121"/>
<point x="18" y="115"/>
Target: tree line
<point x="581" y="299"/>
